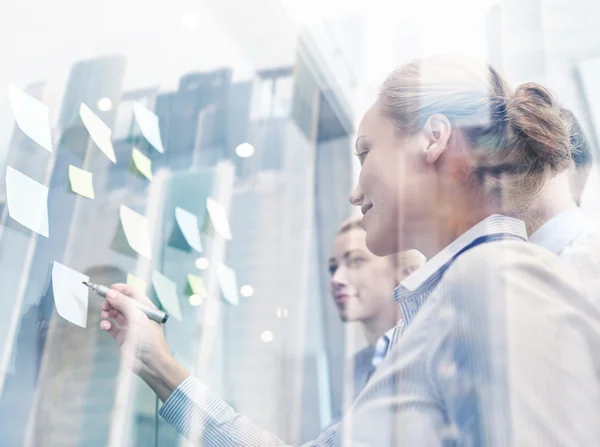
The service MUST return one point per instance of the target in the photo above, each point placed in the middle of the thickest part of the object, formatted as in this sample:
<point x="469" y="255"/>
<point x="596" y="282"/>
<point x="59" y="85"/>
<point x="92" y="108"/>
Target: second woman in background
<point x="362" y="286"/>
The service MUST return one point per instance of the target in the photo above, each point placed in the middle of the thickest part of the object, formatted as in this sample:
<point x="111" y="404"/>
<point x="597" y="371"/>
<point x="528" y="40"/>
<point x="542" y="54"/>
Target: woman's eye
<point x="332" y="269"/>
<point x="356" y="262"/>
<point x="361" y="156"/>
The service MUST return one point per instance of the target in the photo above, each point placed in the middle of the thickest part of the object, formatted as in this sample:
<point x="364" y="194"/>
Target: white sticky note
<point x="32" y="116"/>
<point x="135" y="227"/>
<point x="166" y="290"/>
<point x="142" y="163"/>
<point x="218" y="217"/>
<point x="27" y="201"/>
<point x="228" y="284"/>
<point x="70" y="294"/>
<point x="81" y="182"/>
<point x="99" y="132"/>
<point x="148" y="122"/>
<point x="188" y="224"/>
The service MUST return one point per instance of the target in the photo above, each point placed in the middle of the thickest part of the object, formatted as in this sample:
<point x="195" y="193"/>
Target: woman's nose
<point x="339" y="277"/>
<point x="357" y="196"/>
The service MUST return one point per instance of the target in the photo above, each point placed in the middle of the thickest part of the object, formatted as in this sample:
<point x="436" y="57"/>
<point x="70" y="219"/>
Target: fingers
<point x="121" y="303"/>
<point x="115" y="315"/>
<point x="109" y="327"/>
<point x="125" y="289"/>
<point x="131" y="292"/>
<point x="106" y="306"/>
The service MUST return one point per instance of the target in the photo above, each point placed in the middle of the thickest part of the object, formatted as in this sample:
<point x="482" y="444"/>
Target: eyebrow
<point x="346" y="255"/>
<point x="349" y="252"/>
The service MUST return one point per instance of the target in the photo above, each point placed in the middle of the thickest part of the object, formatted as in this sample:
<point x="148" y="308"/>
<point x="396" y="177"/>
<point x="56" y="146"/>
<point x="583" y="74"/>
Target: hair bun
<point x="536" y="126"/>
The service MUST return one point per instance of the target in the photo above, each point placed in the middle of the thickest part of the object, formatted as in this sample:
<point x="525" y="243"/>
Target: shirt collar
<point x="382" y="345"/>
<point x="494" y="224"/>
<point x="414" y="290"/>
<point x="390" y="333"/>
<point x="558" y="232"/>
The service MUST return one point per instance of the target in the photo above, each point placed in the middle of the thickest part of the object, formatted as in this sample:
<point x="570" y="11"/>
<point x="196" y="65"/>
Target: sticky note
<point x="70" y="294"/>
<point x="196" y="285"/>
<point x="148" y="123"/>
<point x="166" y="291"/>
<point x="218" y="217"/>
<point x="32" y="116"/>
<point x="142" y="164"/>
<point x="137" y="284"/>
<point x="188" y="224"/>
<point x="228" y="284"/>
<point x="99" y="132"/>
<point x="27" y="201"/>
<point x="135" y="227"/>
<point x="81" y="182"/>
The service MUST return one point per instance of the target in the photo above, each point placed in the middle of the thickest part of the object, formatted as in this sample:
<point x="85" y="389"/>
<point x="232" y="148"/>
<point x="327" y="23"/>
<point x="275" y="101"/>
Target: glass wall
<point x="255" y="105"/>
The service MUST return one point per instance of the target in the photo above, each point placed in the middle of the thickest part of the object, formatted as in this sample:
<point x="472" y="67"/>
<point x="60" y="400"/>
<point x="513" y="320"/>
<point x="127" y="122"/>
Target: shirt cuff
<point x="191" y="407"/>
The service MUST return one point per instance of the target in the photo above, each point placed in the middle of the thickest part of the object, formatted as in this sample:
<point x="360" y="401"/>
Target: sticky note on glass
<point x="137" y="284"/>
<point x="70" y="294"/>
<point x="81" y="182"/>
<point x="99" y="132"/>
<point x="141" y="163"/>
<point x="27" y="201"/>
<point x="228" y="284"/>
<point x="196" y="285"/>
<point x="166" y="291"/>
<point x="135" y="227"/>
<point x="188" y="225"/>
<point x="148" y="123"/>
<point x="218" y="218"/>
<point x="32" y="116"/>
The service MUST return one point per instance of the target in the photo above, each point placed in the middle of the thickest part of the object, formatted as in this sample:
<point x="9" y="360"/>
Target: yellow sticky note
<point x="196" y="285"/>
<point x="81" y="182"/>
<point x="142" y="163"/>
<point x="136" y="283"/>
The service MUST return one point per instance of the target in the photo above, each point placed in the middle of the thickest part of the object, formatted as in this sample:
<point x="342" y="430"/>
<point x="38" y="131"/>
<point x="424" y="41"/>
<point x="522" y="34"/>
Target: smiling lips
<point x="341" y="298"/>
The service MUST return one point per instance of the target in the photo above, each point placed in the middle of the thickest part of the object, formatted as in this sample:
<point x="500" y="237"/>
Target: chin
<point x="347" y="317"/>
<point x="378" y="245"/>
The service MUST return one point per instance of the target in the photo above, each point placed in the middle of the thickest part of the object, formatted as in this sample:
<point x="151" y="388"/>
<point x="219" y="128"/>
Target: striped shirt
<point x="381" y="348"/>
<point x="516" y="368"/>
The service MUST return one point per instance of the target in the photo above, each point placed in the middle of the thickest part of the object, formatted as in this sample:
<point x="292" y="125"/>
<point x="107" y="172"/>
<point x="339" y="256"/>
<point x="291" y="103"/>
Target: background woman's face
<point x="396" y="188"/>
<point x="362" y="284"/>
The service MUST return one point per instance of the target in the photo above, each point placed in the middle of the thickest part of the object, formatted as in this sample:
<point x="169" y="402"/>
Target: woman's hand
<point x="141" y="340"/>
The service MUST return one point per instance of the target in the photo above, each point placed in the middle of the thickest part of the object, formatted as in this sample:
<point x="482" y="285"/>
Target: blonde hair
<point x="350" y="224"/>
<point x="516" y="140"/>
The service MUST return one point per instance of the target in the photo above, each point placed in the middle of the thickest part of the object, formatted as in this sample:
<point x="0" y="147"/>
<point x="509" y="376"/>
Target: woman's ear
<point x="437" y="131"/>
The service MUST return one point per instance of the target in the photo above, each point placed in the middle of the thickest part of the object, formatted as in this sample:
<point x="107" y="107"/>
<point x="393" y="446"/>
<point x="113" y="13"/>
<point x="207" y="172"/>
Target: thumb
<point x="121" y="302"/>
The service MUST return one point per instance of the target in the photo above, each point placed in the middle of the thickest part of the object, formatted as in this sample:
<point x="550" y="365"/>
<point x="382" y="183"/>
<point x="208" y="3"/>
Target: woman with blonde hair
<point x="361" y="286"/>
<point x="497" y="344"/>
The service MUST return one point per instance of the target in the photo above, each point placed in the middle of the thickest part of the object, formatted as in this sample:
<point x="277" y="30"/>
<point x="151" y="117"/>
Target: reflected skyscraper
<point x="27" y="337"/>
<point x="287" y="201"/>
